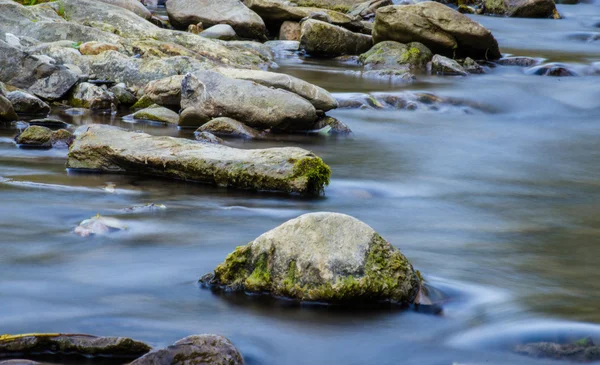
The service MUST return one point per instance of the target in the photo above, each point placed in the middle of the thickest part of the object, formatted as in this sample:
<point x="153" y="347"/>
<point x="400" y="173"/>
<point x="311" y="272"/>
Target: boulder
<point x="441" y="65"/>
<point x="367" y="9"/>
<point x="209" y="12"/>
<point x="56" y="85"/>
<point x="195" y="350"/>
<point x="123" y="94"/>
<point x="289" y="31"/>
<point x="320" y="98"/>
<point x="165" y="92"/>
<point x="94" y="48"/>
<point x="109" y="149"/>
<point x="207" y="137"/>
<point x="61" y="138"/>
<point x="320" y="257"/>
<point x="472" y="67"/>
<point x="206" y="95"/>
<point x="324" y="39"/>
<point x="86" y="95"/>
<point x="227" y="127"/>
<point x="7" y="112"/>
<point x="277" y="11"/>
<point x="83" y="345"/>
<point x="390" y="55"/>
<point x="35" y="136"/>
<point x="338" y="5"/>
<point x="134" y="6"/>
<point x="330" y="125"/>
<point x="223" y="32"/>
<point x="391" y="76"/>
<point x="521" y="8"/>
<point x="25" y="103"/>
<point x="443" y="30"/>
<point x="157" y="113"/>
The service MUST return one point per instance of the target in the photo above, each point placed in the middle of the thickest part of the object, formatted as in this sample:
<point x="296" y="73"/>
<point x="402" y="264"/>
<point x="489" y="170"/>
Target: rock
<point x="56" y="86"/>
<point x="320" y="257"/>
<point x="7" y="113"/>
<point x="223" y="32"/>
<point x="157" y="113"/>
<point x="110" y="149"/>
<point x="27" y="103"/>
<point x="323" y="39"/>
<point x="551" y="69"/>
<point x="441" y="65"/>
<point x="520" y="8"/>
<point x="76" y="112"/>
<point x="85" y="345"/>
<point x="583" y="350"/>
<point x="338" y="5"/>
<point x="20" y="362"/>
<point x="289" y="31"/>
<point x="207" y="137"/>
<point x="123" y="95"/>
<point x="443" y="30"/>
<point x="62" y="138"/>
<point x="518" y="61"/>
<point x="232" y="12"/>
<point x="143" y="102"/>
<point x="195" y="350"/>
<point x="206" y="95"/>
<point x="390" y="55"/>
<point x="367" y="9"/>
<point x="3" y="90"/>
<point x="284" y="49"/>
<point x="330" y="125"/>
<point x="86" y="95"/>
<point x="276" y="11"/>
<point x="132" y="5"/>
<point x="320" y="98"/>
<point x="49" y="122"/>
<point x="396" y="75"/>
<point x="99" y="225"/>
<point x="35" y="136"/>
<point x="227" y="127"/>
<point x="472" y="67"/>
<point x="150" y="207"/>
<point x="165" y="92"/>
<point x="95" y="48"/>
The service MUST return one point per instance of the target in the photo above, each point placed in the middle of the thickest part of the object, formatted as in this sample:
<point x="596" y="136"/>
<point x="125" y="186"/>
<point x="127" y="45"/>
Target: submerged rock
<point x="442" y="29"/>
<point x="28" y="104"/>
<point x="394" y="76"/>
<point x="206" y="95"/>
<point x="110" y="149"/>
<point x="83" y="345"/>
<point x="320" y="257"/>
<point x="390" y="55"/>
<point x="518" y="61"/>
<point x="234" y="13"/>
<point x="521" y="8"/>
<point x="330" y="125"/>
<point x="441" y="65"/>
<point x="157" y="113"/>
<point x="195" y="350"/>
<point x="583" y="350"/>
<point x="552" y="69"/>
<point x="98" y="225"/>
<point x="35" y="136"/>
<point x="227" y="127"/>
<point x="324" y="39"/>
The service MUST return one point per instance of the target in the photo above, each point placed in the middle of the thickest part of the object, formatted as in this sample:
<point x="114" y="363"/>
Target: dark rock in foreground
<point x="583" y="350"/>
<point x="320" y="257"/>
<point x="110" y="149"/>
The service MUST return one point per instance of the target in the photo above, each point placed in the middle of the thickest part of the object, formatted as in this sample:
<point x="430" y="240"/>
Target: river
<point x="498" y="209"/>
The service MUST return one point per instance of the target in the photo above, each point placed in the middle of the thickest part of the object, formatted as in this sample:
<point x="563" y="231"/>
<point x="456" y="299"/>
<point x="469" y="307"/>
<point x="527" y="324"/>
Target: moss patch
<point x="316" y="173"/>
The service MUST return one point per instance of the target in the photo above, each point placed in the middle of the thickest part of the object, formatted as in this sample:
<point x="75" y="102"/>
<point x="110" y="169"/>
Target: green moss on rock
<point x="315" y="171"/>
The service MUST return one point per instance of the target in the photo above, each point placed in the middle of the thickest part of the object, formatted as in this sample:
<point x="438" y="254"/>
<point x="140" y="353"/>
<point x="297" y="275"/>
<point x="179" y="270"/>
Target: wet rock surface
<point x="323" y="39"/>
<point x="583" y="350"/>
<point x="227" y="127"/>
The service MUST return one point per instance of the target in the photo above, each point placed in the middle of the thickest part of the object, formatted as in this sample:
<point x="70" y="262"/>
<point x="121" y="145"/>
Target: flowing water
<point x="498" y="210"/>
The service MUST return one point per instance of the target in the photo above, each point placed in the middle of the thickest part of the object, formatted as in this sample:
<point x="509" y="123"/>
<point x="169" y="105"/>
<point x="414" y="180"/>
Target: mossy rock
<point x="390" y="55"/>
<point x="35" y="136"/>
<point x="320" y="257"/>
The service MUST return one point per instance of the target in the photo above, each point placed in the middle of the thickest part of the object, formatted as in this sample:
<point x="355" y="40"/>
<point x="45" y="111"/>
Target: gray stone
<point x="324" y="39"/>
<point x="330" y="125"/>
<point x="195" y="350"/>
<point x="441" y="65"/>
<point x="132" y="5"/>
<point x="209" y="12"/>
<point x="395" y="75"/>
<point x="123" y="95"/>
<point x="28" y="104"/>
<point x="367" y="9"/>
<point x="227" y="127"/>
<point x="521" y="8"/>
<point x="223" y="32"/>
<point x="320" y="98"/>
<point x="320" y="257"/>
<point x="109" y="149"/>
<point x="86" y="95"/>
<point x="7" y="112"/>
<point x="391" y="55"/>
<point x="207" y="137"/>
<point x="443" y="30"/>
<point x="206" y="95"/>
<point x="165" y="92"/>
<point x="280" y="11"/>
<point x="157" y="113"/>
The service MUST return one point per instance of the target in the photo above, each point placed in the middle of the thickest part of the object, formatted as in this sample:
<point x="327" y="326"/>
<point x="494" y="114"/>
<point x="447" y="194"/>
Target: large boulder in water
<point x="323" y="39"/>
<point x="443" y="30"/>
<point x="26" y="103"/>
<point x="206" y="95"/>
<point x="244" y="21"/>
<point x="195" y="350"/>
<point x="392" y="55"/>
<point x="109" y="149"/>
<point x="521" y="8"/>
<point x="321" y="257"/>
<point x="278" y="11"/>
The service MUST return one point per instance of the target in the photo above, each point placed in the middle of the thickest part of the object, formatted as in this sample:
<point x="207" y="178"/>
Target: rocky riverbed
<point x="351" y="181"/>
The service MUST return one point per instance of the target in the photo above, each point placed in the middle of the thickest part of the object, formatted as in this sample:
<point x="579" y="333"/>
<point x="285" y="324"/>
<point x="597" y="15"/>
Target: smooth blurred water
<point x="499" y="211"/>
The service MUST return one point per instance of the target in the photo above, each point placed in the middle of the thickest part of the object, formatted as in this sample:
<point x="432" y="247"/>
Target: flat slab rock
<point x="110" y="149"/>
<point x="76" y="344"/>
